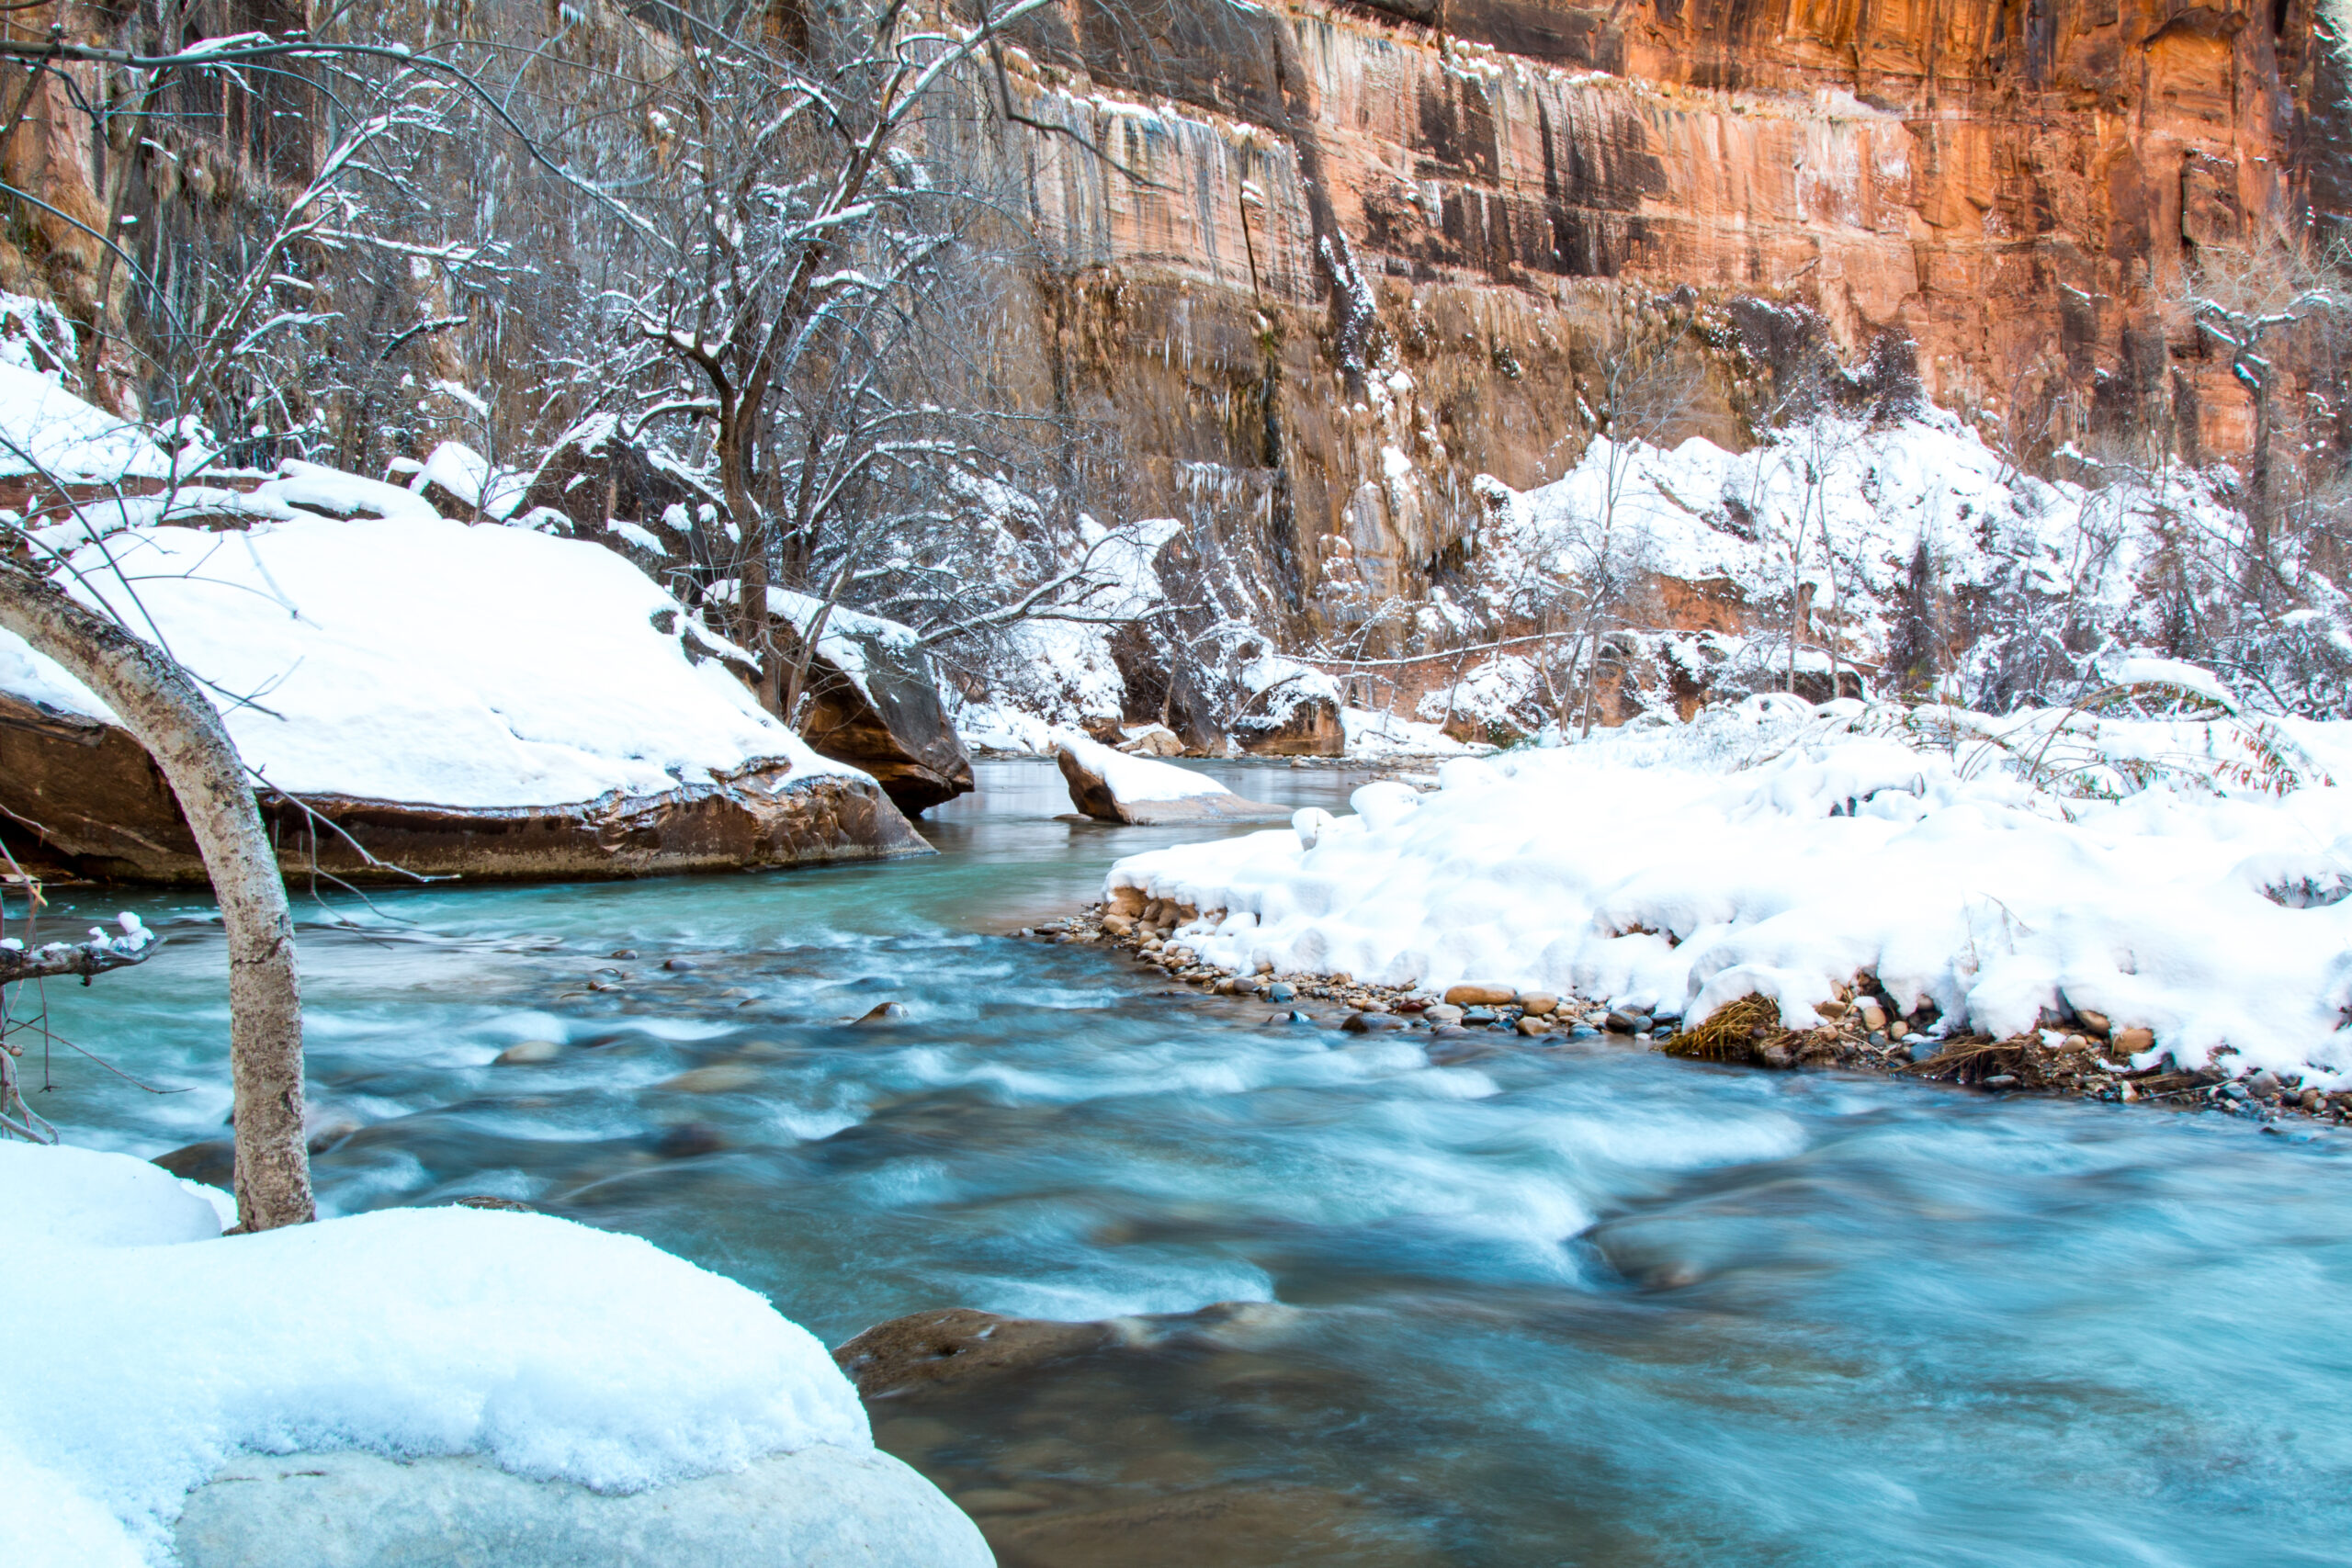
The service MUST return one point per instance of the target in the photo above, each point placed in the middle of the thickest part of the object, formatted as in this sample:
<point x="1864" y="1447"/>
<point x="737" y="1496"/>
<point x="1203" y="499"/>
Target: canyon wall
<point x="1317" y="267"/>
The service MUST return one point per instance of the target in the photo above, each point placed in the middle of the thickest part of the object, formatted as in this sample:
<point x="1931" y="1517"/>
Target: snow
<point x="413" y="659"/>
<point x="846" y="633"/>
<point x="473" y="479"/>
<point x="1132" y="779"/>
<point x="1842" y="504"/>
<point x="1386" y="734"/>
<point x="2172" y="873"/>
<point x="45" y="429"/>
<point x="165" y="1347"/>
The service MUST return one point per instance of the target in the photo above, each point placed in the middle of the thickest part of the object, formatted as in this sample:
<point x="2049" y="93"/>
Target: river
<point x="1571" y="1304"/>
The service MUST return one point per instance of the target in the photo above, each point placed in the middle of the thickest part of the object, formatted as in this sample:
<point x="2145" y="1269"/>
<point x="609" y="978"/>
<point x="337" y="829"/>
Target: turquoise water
<point x="1565" y="1304"/>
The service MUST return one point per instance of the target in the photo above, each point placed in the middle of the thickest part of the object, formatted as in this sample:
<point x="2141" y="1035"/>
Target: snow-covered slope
<point x="559" y="1350"/>
<point x="416" y="659"/>
<point x="2172" y="873"/>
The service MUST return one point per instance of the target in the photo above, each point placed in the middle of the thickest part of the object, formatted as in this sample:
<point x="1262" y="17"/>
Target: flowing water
<point x="1551" y="1304"/>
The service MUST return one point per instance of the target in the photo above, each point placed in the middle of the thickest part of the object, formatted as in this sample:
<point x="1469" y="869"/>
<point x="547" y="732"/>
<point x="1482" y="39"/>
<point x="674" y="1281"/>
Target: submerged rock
<point x="820" y="1507"/>
<point x="959" y="1343"/>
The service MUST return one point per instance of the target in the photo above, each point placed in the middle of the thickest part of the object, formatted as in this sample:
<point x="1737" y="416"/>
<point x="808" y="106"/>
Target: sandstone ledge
<point x="103" y="810"/>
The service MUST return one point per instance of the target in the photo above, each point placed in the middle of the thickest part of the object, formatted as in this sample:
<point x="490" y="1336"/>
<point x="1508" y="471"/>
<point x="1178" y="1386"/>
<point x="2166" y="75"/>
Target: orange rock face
<point x="1337" y="261"/>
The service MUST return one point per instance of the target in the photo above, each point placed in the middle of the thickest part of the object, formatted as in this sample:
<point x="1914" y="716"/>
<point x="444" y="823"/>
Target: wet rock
<point x="624" y="953"/>
<point x="1480" y="996"/>
<point x="1777" y="1056"/>
<point x="881" y="1012"/>
<point x="959" y="1343"/>
<point x="680" y="965"/>
<point x="212" y="1162"/>
<point x="1628" y="1024"/>
<point x="1294" y="1015"/>
<point x="1442" y="1012"/>
<point x="719" y="1078"/>
<point x="820" y="1507"/>
<point x="1477" y="1016"/>
<point x="2264" y="1084"/>
<point x="689" y="1139"/>
<point x="1280" y="991"/>
<point x="1535" y="1026"/>
<point x="1920" y="1050"/>
<point x="1538" y="1004"/>
<point x="1371" y="1022"/>
<point x="2002" y="1080"/>
<point x="529" y="1053"/>
<point x="327" y="1134"/>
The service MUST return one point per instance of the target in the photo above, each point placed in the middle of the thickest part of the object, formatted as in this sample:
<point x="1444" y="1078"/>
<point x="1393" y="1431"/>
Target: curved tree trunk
<point x="165" y="712"/>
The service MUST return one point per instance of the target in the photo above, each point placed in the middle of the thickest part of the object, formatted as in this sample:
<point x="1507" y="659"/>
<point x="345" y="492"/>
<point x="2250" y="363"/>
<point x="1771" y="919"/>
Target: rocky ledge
<point x="2083" y="1055"/>
<point x="103" y="810"/>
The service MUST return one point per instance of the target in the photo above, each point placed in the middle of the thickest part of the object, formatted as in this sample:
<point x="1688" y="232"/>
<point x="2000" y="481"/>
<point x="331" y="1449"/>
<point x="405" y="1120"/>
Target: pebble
<point x="1371" y="1022"/>
<point x="1478" y="1015"/>
<point x="1923" y="1049"/>
<point x="1280" y="991"/>
<point x="2135" y="1040"/>
<point x="1442" y="1012"/>
<point x="1539" y="1004"/>
<point x="1873" y="1016"/>
<point x="882" y="1012"/>
<point x="2002" y="1080"/>
<point x="2264" y="1083"/>
<point x="1533" y="1026"/>
<point x="529" y="1053"/>
<point x="681" y="965"/>
<point x="1294" y="1015"/>
<point x="1628" y="1023"/>
<point x="2094" y="1022"/>
<point x="1480" y="996"/>
<point x="624" y="953"/>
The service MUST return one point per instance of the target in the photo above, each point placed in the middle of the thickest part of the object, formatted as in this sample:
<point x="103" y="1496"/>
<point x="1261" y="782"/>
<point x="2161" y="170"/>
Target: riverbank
<point x="1864" y="1031"/>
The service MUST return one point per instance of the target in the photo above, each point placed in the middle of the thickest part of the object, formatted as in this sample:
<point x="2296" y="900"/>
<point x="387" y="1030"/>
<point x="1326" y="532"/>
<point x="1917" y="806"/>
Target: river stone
<point x="2133" y="1041"/>
<point x="1539" y="1004"/>
<point x="882" y="1012"/>
<point x="1478" y="1015"/>
<point x="1371" y="1022"/>
<point x="1480" y="996"/>
<point x="1442" y="1012"/>
<point x="822" y="1508"/>
<point x="719" y="1078"/>
<point x="1280" y="991"/>
<point x="529" y="1053"/>
<point x="958" y="1344"/>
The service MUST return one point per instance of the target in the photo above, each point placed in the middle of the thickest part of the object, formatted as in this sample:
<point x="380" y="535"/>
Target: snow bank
<point x="163" y="1347"/>
<point x="2186" y="877"/>
<point x="1386" y="734"/>
<point x="411" y="659"/>
<point x="45" y="429"/>
<point x="1133" y="780"/>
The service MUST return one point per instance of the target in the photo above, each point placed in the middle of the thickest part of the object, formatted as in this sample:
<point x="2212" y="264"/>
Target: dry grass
<point x="1735" y="1032"/>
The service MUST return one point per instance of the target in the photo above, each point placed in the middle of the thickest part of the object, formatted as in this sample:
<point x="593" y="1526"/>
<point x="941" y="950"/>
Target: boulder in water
<point x="1112" y="786"/>
<point x="872" y="700"/>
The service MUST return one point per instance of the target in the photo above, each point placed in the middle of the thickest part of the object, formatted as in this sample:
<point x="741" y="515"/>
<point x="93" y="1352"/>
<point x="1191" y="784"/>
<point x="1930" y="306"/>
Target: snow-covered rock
<point x="481" y="700"/>
<point x="2179" y="875"/>
<point x="816" y="1507"/>
<point x="1290" y="710"/>
<point x="873" y="701"/>
<point x="1112" y="786"/>
<point x="559" y="1353"/>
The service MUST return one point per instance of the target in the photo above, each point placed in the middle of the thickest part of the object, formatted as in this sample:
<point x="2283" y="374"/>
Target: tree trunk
<point x="166" y="713"/>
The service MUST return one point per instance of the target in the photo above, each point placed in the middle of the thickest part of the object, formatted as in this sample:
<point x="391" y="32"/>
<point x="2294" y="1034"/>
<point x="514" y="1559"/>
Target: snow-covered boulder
<point x="477" y="700"/>
<point x="1290" y="710"/>
<point x="818" y="1507"/>
<point x="1112" y="786"/>
<point x="874" y="702"/>
<point x="622" y="1404"/>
